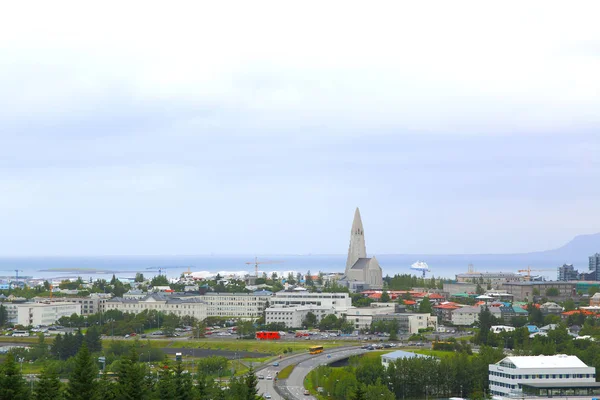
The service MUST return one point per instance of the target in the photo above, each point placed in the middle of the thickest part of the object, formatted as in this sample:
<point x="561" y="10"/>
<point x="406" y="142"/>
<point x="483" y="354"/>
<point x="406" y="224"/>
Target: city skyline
<point x="196" y="130"/>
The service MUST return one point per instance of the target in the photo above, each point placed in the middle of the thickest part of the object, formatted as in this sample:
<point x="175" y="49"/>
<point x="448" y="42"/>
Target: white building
<point x="293" y="317"/>
<point x="390" y="358"/>
<point x="509" y="375"/>
<point x="337" y="301"/>
<point x="236" y="305"/>
<point x="410" y="322"/>
<point x="362" y="317"/>
<point x="181" y="307"/>
<point x="89" y="305"/>
<point x="45" y="314"/>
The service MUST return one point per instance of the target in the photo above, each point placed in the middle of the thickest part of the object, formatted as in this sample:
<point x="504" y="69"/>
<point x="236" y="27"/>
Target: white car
<point x="267" y="396"/>
<point x="269" y="378"/>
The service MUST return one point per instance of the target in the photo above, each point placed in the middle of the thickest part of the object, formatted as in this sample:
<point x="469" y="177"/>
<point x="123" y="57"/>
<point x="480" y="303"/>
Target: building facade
<point x="337" y="301"/>
<point x="524" y="291"/>
<point x="45" y="314"/>
<point x="507" y="376"/>
<point x="594" y="267"/>
<point x="567" y="273"/>
<point x="293" y="317"/>
<point x="410" y="323"/>
<point x="236" y="305"/>
<point x="495" y="279"/>
<point x="192" y="307"/>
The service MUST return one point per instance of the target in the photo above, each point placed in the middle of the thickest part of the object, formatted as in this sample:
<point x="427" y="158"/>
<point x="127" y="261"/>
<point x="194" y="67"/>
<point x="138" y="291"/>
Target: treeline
<point x="408" y="282"/>
<point x="132" y="381"/>
<point x="454" y="375"/>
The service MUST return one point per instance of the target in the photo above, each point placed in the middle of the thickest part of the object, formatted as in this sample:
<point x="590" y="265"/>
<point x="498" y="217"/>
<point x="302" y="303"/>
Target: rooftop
<point x="556" y="361"/>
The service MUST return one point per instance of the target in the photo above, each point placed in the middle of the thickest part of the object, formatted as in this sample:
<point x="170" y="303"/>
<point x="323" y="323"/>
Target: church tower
<point x="357" y="247"/>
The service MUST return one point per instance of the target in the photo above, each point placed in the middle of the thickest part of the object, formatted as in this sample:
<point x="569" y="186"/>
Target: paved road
<point x="306" y="362"/>
<point x="295" y="383"/>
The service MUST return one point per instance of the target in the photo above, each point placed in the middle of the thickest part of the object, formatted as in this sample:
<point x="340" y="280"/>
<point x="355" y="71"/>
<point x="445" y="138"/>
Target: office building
<point x="409" y="323"/>
<point x="510" y="376"/>
<point x="524" y="291"/>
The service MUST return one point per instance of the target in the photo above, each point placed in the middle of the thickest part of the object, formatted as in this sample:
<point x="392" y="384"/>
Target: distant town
<point x="522" y="336"/>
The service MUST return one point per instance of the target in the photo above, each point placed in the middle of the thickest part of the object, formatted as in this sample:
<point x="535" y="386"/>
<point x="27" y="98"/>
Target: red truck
<point x="268" y="335"/>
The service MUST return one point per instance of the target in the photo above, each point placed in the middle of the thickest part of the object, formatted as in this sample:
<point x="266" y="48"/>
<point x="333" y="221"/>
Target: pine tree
<point x="82" y="385"/>
<point x="12" y="384"/>
<point x="165" y="388"/>
<point x="48" y="386"/>
<point x="93" y="339"/>
<point x="385" y="297"/>
<point x="251" y="382"/>
<point x="130" y="385"/>
<point x="184" y="386"/>
<point x="106" y="389"/>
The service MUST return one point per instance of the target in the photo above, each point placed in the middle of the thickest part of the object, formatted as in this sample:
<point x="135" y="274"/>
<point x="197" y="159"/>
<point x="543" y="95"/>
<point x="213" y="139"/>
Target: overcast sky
<point x="258" y="127"/>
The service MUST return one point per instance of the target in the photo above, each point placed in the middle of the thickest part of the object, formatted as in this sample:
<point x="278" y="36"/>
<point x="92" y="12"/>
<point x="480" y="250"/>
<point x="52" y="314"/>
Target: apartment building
<point x="180" y="306"/>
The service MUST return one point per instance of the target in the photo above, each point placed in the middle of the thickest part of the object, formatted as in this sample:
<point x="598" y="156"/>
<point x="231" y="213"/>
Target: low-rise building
<point x="410" y="323"/>
<point x="390" y="358"/>
<point x="551" y="308"/>
<point x="495" y="279"/>
<point x="91" y="304"/>
<point x="236" y="305"/>
<point x="293" y="317"/>
<point x="45" y="314"/>
<point x="524" y="291"/>
<point x="337" y="301"/>
<point x="465" y="316"/>
<point x="508" y="376"/>
<point x="180" y="306"/>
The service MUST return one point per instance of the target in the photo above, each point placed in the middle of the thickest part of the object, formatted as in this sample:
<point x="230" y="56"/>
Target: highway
<point x="294" y="385"/>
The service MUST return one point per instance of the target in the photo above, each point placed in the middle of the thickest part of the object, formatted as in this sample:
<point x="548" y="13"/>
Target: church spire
<point x="357" y="247"/>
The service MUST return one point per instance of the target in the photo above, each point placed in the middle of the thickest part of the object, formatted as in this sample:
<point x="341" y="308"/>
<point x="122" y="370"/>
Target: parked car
<point x="276" y="364"/>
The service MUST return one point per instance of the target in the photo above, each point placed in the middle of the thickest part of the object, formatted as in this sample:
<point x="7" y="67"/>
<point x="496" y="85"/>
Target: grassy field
<point x="286" y="371"/>
<point x="272" y="347"/>
<point x="24" y="340"/>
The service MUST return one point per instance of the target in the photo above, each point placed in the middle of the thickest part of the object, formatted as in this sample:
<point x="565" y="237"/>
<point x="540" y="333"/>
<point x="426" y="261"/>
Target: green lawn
<point x="286" y="371"/>
<point x="269" y="347"/>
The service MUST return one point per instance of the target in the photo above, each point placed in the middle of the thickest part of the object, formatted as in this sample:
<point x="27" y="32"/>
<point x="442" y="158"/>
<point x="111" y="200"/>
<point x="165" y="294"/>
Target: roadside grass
<point x="30" y="339"/>
<point x="375" y="354"/>
<point x="286" y="371"/>
<point x="433" y="353"/>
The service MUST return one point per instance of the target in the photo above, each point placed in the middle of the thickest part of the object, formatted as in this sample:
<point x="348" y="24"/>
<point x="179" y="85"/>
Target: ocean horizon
<point x="445" y="266"/>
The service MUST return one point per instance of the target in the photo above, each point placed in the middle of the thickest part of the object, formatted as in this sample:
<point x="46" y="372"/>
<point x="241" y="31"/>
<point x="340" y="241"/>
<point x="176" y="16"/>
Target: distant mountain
<point x="580" y="247"/>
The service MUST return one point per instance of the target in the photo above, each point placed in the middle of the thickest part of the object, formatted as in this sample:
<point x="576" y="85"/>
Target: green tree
<point x="48" y="386"/>
<point x="359" y="393"/>
<point x="82" y="385"/>
<point x="139" y="277"/>
<point x="159" y="280"/>
<point x="551" y="292"/>
<point x="310" y="320"/>
<point x="425" y="306"/>
<point x="166" y="388"/>
<point x="251" y="382"/>
<point x="385" y="297"/>
<point x="569" y="304"/>
<point x="308" y="280"/>
<point x="3" y="315"/>
<point x="93" y="339"/>
<point x="184" y="386"/>
<point x="12" y="384"/>
<point x="130" y="383"/>
<point x="486" y="320"/>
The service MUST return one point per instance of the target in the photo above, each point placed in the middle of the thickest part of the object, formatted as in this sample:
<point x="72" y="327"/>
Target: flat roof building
<point x="508" y="376"/>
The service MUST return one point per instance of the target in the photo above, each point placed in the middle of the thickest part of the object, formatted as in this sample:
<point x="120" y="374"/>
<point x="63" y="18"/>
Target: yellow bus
<point x="315" y="350"/>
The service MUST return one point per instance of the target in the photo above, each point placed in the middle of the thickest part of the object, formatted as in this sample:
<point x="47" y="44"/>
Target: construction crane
<point x="161" y="269"/>
<point x="16" y="271"/>
<point x="256" y="262"/>
<point x="529" y="269"/>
